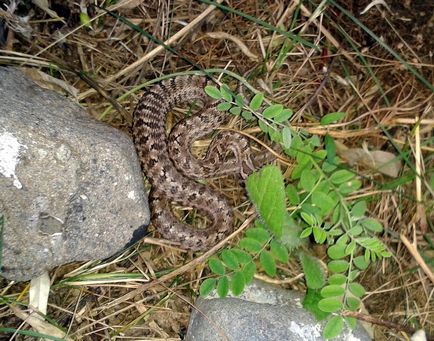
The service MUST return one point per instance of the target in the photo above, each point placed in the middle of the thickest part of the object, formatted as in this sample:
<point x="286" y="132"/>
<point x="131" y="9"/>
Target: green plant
<point x="314" y="202"/>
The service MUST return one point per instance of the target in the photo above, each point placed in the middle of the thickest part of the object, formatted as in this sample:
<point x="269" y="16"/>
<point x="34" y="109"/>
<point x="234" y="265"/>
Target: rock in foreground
<point x="71" y="188"/>
<point x="262" y="312"/>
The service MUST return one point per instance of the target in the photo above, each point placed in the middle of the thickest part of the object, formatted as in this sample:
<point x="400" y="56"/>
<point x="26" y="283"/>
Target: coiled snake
<point x="172" y="169"/>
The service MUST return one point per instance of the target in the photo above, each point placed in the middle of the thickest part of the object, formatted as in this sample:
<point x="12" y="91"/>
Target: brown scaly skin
<point x="171" y="169"/>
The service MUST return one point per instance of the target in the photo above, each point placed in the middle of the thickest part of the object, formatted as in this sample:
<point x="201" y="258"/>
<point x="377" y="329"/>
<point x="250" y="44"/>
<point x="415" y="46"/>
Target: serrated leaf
<point x="223" y="287"/>
<point x="216" y="266"/>
<point x="279" y="251"/>
<point x="336" y="251"/>
<point x="224" y="106"/>
<point x="331" y="118"/>
<point x="292" y="194"/>
<point x="357" y="289"/>
<point x="337" y="279"/>
<point x="333" y="327"/>
<point x="323" y="201"/>
<point x="235" y="111"/>
<point x="256" y="101"/>
<point x="267" y="192"/>
<point x="207" y="286"/>
<point x="291" y="234"/>
<point x="286" y="137"/>
<point x="372" y="225"/>
<point x="247" y="115"/>
<point x="229" y="259"/>
<point x="272" y="111"/>
<point x="338" y="266"/>
<point x="268" y="263"/>
<point x="359" y="209"/>
<point x="313" y="271"/>
<point x="237" y="283"/>
<point x="259" y="234"/>
<point x="341" y="176"/>
<point x="332" y="291"/>
<point x="248" y="272"/>
<point x="242" y="256"/>
<point x="226" y="93"/>
<point x="251" y="245"/>
<point x="330" y="304"/>
<point x="213" y="92"/>
<point x="284" y="115"/>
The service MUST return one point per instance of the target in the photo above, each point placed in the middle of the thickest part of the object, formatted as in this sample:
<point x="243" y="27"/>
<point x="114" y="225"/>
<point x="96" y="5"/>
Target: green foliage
<point x="216" y="266"/>
<point x="333" y="327"/>
<point x="85" y="20"/>
<point x="237" y="284"/>
<point x="316" y="195"/>
<point x="223" y="286"/>
<point x="267" y="261"/>
<point x="267" y="192"/>
<point x="314" y="274"/>
<point x="310" y="303"/>
<point x="207" y="286"/>
<point x="332" y="118"/>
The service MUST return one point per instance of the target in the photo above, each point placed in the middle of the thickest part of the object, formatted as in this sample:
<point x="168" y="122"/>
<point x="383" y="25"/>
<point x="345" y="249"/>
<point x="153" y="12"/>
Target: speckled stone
<point x="71" y="188"/>
<point x="262" y="312"/>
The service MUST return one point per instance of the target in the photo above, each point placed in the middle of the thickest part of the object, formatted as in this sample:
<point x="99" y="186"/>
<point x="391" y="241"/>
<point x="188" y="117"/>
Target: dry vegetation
<point x="349" y="71"/>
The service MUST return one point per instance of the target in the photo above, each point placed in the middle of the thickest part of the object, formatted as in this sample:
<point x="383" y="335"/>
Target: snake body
<point x="172" y="169"/>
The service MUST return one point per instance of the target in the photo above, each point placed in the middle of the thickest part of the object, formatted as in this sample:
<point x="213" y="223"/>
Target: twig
<point x="417" y="257"/>
<point x="420" y="208"/>
<point x="199" y="260"/>
<point x="330" y="37"/>
<point x="155" y="51"/>
<point x="379" y="322"/>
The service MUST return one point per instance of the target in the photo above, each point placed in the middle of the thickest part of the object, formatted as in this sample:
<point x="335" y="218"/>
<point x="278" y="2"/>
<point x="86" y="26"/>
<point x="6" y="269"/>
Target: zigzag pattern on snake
<point x="172" y="169"/>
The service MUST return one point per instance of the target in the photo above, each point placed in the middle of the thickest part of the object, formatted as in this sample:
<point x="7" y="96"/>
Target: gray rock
<point x="71" y="188"/>
<point x="262" y="312"/>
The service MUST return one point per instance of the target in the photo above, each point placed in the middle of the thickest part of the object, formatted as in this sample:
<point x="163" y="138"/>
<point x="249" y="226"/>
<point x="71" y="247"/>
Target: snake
<point x="172" y="170"/>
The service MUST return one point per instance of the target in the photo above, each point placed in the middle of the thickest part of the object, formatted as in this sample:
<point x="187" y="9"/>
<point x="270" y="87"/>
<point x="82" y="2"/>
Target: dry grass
<point x="117" y="60"/>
